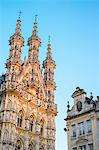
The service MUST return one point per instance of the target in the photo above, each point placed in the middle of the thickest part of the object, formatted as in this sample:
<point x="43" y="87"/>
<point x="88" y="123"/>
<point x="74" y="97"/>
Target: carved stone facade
<point x="82" y="122"/>
<point x="27" y="107"/>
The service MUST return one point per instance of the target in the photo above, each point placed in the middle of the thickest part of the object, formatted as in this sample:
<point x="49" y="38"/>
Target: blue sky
<point x="74" y="29"/>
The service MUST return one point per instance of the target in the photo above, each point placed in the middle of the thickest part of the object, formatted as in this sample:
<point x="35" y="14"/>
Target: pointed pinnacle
<point x="49" y="44"/>
<point x="18" y="26"/>
<point x="35" y="26"/>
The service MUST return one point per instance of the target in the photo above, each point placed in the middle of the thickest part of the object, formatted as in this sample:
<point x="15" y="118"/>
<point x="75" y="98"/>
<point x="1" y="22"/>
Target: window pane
<point x="91" y="147"/>
<point x="74" y="130"/>
<point x="83" y="147"/>
<point x="89" y="125"/>
<point x="81" y="128"/>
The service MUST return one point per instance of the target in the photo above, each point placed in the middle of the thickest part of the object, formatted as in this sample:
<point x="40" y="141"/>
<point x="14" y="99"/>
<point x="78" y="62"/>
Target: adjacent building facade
<point x="27" y="107"/>
<point x="82" y="122"/>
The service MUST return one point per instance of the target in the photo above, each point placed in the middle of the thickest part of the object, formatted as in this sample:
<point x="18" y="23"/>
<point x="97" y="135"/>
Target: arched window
<point x="31" y="123"/>
<point x="6" y="135"/>
<point x="41" y="148"/>
<point x="33" y="75"/>
<point x="41" y="127"/>
<point x="9" y="106"/>
<point x="49" y="95"/>
<point x="49" y="73"/>
<point x="18" y="145"/>
<point x="31" y="147"/>
<point x="20" y="119"/>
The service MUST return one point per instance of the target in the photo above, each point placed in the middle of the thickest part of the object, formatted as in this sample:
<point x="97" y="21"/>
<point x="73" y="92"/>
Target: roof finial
<point x="49" y="39"/>
<point x="91" y="96"/>
<point x="49" y="54"/>
<point x="68" y="106"/>
<point x="35" y="19"/>
<point x="49" y="46"/>
<point x="19" y="15"/>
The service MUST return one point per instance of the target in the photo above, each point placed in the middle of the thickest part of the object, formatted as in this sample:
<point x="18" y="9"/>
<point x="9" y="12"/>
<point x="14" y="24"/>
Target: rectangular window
<point x="74" y="130"/>
<point x="83" y="147"/>
<point x="89" y="126"/>
<point x="81" y="128"/>
<point x="91" y="146"/>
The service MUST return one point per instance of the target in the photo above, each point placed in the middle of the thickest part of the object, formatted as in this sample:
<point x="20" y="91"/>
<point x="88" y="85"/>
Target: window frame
<point x="91" y="144"/>
<point x="89" y="126"/>
<point x="74" y="131"/>
<point x="83" y="147"/>
<point x="81" y="128"/>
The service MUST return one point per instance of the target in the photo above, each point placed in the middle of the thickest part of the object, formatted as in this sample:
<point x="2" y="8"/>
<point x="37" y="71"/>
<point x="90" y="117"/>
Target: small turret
<point x="49" y="66"/>
<point x="16" y="42"/>
<point x="34" y="43"/>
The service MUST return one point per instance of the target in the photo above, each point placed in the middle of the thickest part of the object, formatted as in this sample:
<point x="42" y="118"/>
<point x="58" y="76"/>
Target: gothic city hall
<point x="27" y="105"/>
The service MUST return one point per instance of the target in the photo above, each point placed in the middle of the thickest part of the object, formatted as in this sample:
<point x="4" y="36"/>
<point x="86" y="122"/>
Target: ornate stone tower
<point x="27" y="107"/>
<point x="49" y="66"/>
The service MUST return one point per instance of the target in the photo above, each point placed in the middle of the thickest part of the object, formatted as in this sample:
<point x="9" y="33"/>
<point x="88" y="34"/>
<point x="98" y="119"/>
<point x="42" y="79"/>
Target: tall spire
<point x="18" y="25"/>
<point x="16" y="42"/>
<point x="35" y="26"/>
<point x="49" y="55"/>
<point x="49" y="58"/>
<point x="34" y="43"/>
<point x="34" y="39"/>
<point x="49" y="43"/>
<point x="16" y="37"/>
<point x="49" y="66"/>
